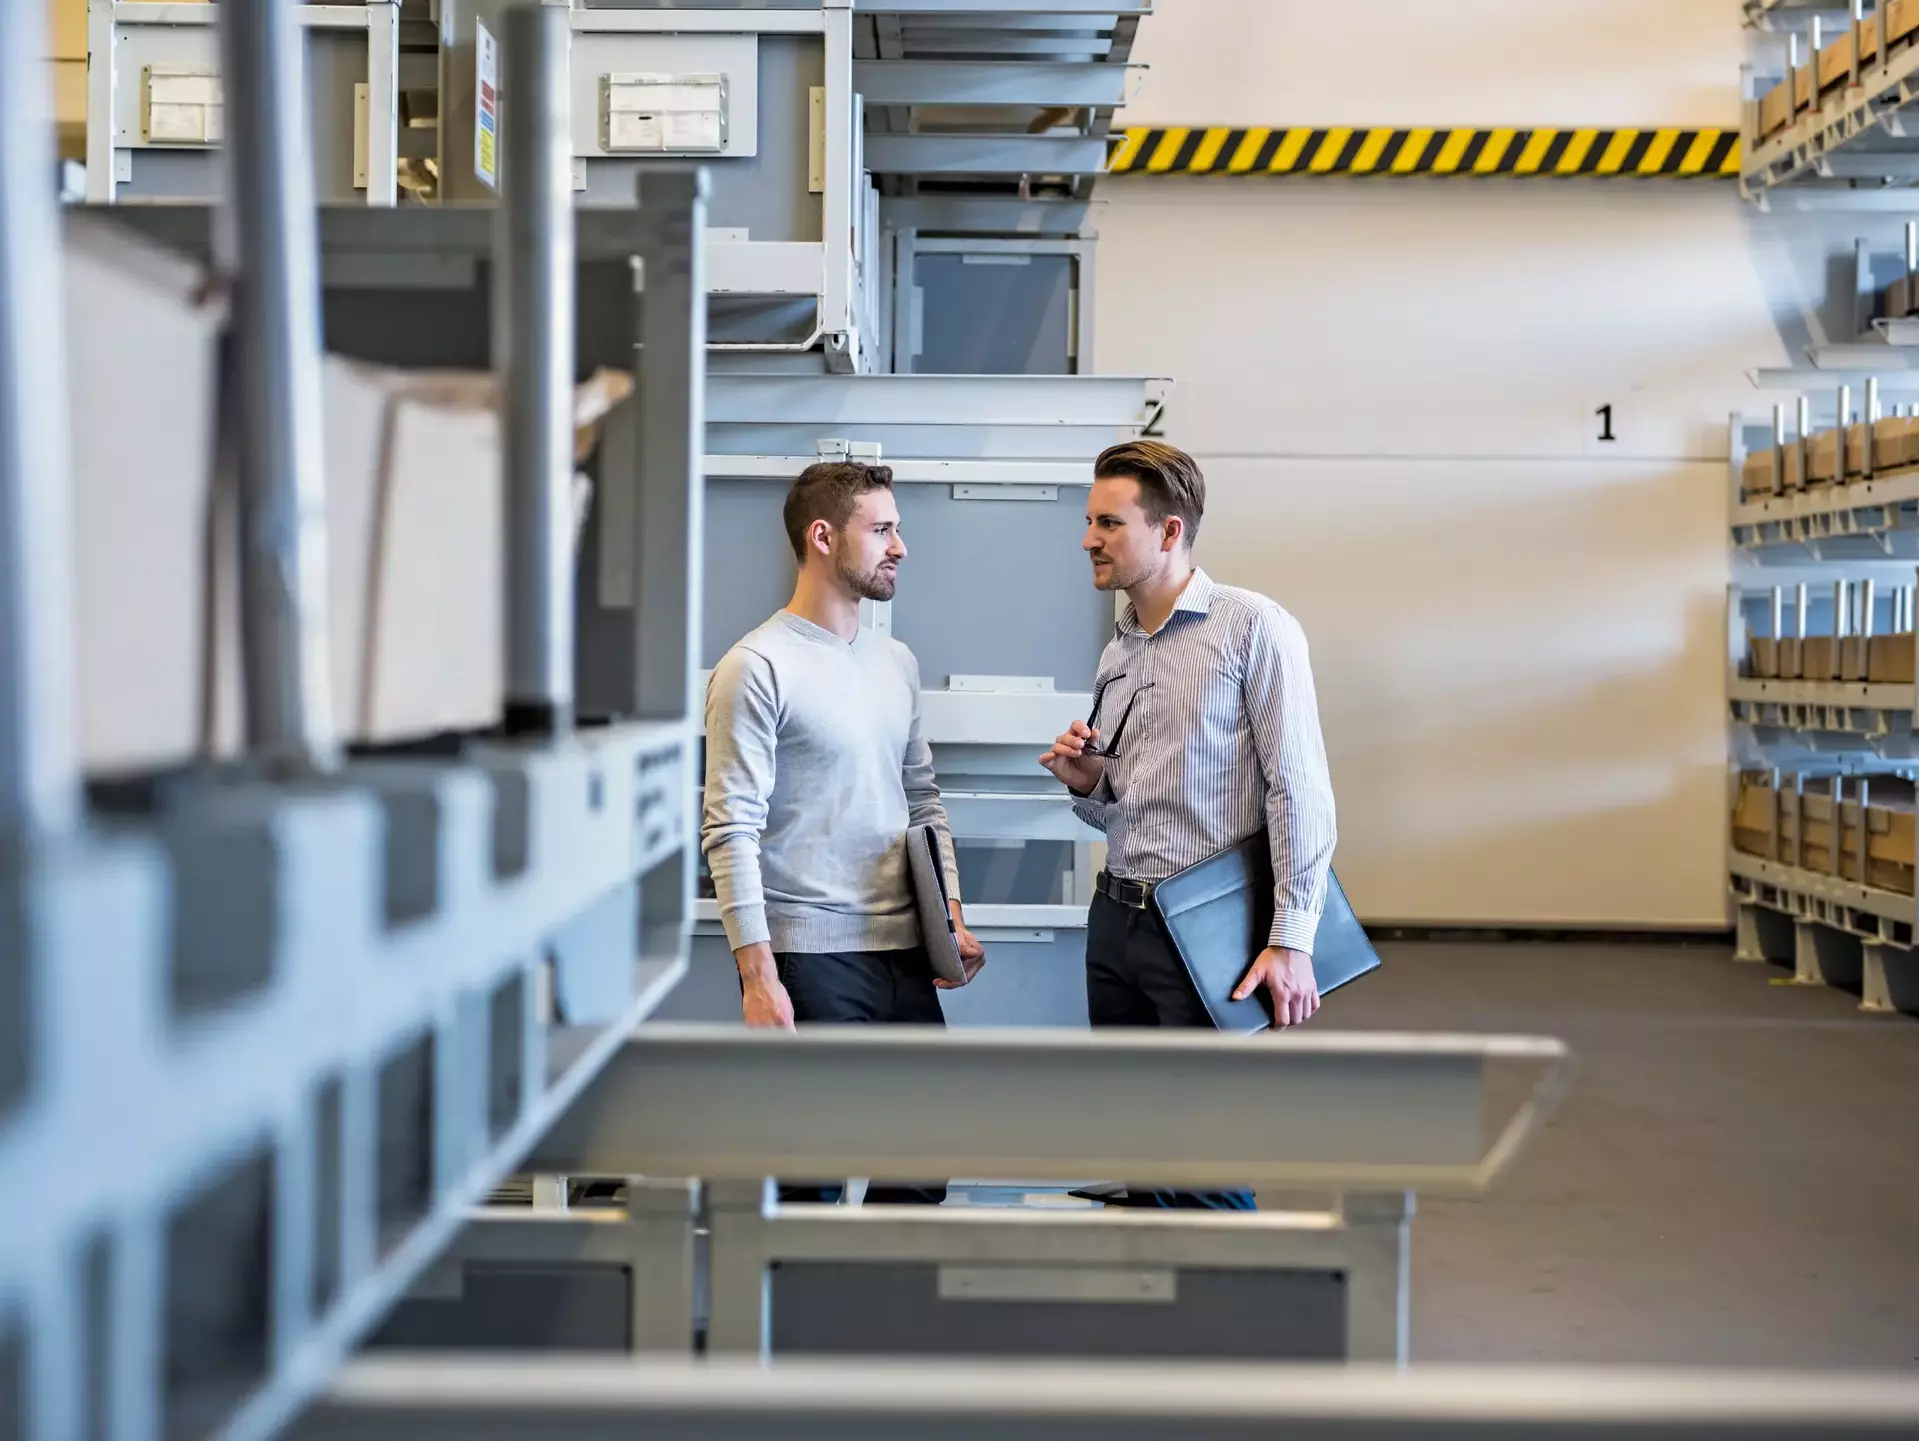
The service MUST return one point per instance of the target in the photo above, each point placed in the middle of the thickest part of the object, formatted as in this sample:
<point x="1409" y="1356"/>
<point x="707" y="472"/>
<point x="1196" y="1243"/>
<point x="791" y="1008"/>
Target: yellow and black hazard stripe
<point x="1347" y="150"/>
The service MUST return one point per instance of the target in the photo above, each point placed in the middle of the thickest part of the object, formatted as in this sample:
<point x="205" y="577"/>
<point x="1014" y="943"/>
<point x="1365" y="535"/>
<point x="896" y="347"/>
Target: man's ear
<point x="819" y="538"/>
<point x="1172" y="534"/>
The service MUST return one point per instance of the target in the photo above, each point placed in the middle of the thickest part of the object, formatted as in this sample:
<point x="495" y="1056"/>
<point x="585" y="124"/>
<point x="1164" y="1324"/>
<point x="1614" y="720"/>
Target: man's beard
<point x="1114" y="576"/>
<point x="875" y="584"/>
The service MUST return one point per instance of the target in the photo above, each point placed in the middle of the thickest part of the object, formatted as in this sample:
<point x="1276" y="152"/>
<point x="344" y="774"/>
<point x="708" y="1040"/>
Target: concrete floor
<point x="1733" y="1181"/>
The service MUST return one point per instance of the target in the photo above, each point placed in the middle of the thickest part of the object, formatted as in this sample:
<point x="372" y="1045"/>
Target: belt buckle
<point x="1134" y="894"/>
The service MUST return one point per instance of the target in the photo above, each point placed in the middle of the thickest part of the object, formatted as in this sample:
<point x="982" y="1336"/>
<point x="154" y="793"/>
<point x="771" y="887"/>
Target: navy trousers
<point x="881" y="988"/>
<point x="1134" y="977"/>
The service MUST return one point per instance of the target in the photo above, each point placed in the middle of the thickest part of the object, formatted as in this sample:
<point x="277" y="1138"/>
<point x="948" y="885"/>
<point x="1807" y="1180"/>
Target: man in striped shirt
<point x="1204" y="728"/>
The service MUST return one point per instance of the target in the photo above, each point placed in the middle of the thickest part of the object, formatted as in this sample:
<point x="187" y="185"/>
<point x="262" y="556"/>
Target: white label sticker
<point x="693" y="130"/>
<point x="486" y="132"/>
<point x="635" y="130"/>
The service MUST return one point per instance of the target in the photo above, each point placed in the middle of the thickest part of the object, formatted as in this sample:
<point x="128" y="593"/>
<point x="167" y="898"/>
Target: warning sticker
<point x="486" y="133"/>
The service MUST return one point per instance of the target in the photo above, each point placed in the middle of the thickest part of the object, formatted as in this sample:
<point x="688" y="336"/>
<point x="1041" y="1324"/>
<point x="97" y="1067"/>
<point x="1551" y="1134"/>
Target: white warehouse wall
<point x="1519" y="631"/>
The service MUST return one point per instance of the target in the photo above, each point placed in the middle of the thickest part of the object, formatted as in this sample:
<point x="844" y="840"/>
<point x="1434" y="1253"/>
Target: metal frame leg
<point x="838" y="202"/>
<point x="1823" y="956"/>
<point x="1379" y="1280"/>
<point x="669" y="508"/>
<point x="39" y="761"/>
<point x="383" y="102"/>
<point x="289" y="702"/>
<point x="1890" y="979"/>
<point x="741" y="1321"/>
<point x="102" y="91"/>
<point x="661" y="1215"/>
<point x="534" y="352"/>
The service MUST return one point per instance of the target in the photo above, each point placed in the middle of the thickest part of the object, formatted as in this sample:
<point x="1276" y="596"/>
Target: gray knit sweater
<point x="815" y="768"/>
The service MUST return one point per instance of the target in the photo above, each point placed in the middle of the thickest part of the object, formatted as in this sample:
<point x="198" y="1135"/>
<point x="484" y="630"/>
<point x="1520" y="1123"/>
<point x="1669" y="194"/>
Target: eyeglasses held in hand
<point x="1109" y="750"/>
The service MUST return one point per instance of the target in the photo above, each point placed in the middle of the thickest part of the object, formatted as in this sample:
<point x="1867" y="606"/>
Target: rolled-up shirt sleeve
<point x="1093" y="808"/>
<point x="1282" y="710"/>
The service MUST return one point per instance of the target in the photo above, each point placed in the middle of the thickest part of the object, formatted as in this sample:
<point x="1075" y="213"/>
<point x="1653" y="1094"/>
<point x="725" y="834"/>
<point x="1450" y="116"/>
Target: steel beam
<point x="497" y="1398"/>
<point x="669" y="513"/>
<point x="39" y="762"/>
<point x="1092" y="8"/>
<point x="962" y="214"/>
<point x="985" y="155"/>
<point x="289" y="701"/>
<point x="1374" y="1113"/>
<point x="932" y="82"/>
<point x="942" y="400"/>
<point x="533" y="338"/>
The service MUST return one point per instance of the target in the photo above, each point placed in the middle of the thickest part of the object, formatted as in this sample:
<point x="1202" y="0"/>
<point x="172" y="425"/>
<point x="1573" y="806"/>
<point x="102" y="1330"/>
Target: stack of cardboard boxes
<point x="1798" y="821"/>
<point x="1877" y="660"/>
<point x="1778" y="470"/>
<point x="1832" y="66"/>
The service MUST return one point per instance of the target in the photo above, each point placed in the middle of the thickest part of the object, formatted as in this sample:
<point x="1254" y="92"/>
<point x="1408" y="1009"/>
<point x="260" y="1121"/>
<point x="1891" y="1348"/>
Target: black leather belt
<point x="1137" y="894"/>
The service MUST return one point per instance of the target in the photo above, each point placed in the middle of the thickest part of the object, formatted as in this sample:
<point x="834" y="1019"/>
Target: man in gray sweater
<point x="816" y="767"/>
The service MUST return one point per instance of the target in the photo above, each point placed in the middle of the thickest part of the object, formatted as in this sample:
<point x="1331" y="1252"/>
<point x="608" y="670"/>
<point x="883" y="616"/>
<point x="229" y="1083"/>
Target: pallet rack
<point x="1820" y="691"/>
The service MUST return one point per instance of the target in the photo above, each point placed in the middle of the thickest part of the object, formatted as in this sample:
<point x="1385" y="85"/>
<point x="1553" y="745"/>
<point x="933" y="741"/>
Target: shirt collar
<point x="1196" y="599"/>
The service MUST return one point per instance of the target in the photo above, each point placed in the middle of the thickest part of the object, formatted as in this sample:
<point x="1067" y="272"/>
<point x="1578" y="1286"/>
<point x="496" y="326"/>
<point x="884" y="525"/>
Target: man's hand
<point x="1289" y="976"/>
<point x="1068" y="761"/>
<point x="972" y="953"/>
<point x="765" y="1006"/>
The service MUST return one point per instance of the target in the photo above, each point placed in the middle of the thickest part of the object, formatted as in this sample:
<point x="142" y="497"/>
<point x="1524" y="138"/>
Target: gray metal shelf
<point x="1015" y="97"/>
<point x="265" y="1041"/>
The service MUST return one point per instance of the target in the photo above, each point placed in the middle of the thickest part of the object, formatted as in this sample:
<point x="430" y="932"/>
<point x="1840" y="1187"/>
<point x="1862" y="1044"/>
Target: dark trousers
<point x="881" y="988"/>
<point x="1134" y="977"/>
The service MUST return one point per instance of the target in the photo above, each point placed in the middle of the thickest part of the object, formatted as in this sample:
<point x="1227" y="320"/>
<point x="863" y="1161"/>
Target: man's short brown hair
<point x="829" y="491"/>
<point x="1169" y="480"/>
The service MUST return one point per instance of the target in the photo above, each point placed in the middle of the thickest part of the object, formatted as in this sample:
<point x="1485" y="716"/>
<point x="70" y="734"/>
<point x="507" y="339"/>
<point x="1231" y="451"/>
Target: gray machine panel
<point x="897" y="1309"/>
<point x="502" y="1307"/>
<point x="1052" y="623"/>
<point x="764" y="193"/>
<point x="1014" y="570"/>
<point x="337" y="63"/>
<point x="995" y="314"/>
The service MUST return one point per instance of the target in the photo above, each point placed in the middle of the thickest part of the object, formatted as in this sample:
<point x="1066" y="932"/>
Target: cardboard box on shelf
<point x="142" y="375"/>
<point x="1819" y="658"/>
<point x="414" y="517"/>
<point x="1853" y="658"/>
<point x="1762" y="656"/>
<point x="1791" y="658"/>
<point x="1891" y="661"/>
<point x="1822" y="458"/>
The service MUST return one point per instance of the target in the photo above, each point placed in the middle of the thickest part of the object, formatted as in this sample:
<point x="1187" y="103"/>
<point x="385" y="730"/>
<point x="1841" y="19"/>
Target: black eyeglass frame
<point x="1109" y="750"/>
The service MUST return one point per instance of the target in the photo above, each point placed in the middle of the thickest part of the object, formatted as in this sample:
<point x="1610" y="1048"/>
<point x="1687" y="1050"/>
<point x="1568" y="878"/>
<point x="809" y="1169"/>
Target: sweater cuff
<point x="1294" y="931"/>
<point x="746" y="926"/>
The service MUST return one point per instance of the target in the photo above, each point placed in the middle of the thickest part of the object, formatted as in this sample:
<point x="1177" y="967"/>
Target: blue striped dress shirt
<point x="1217" y="726"/>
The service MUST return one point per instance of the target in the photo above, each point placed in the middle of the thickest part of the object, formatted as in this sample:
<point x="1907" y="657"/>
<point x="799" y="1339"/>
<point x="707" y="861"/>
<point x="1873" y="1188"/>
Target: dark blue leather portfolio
<point x="1220" y="914"/>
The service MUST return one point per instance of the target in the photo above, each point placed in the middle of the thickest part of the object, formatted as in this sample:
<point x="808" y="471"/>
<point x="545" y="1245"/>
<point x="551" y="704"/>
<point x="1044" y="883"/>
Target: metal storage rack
<point x="156" y="100"/>
<point x="1845" y="131"/>
<point x="235" y="1131"/>
<point x="1834" y="546"/>
<point x="783" y="1281"/>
